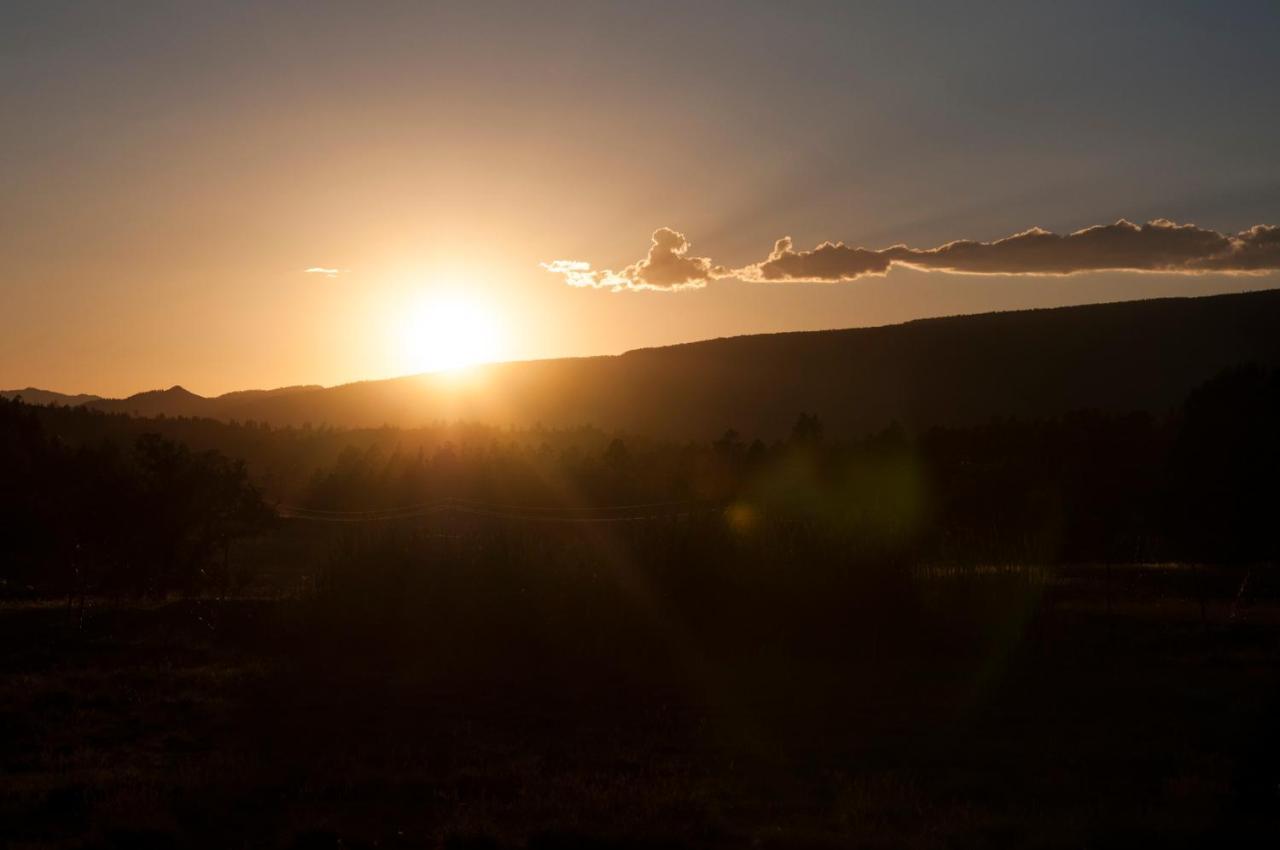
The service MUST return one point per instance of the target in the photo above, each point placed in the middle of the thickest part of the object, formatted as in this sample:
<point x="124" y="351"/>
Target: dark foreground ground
<point x="1094" y="712"/>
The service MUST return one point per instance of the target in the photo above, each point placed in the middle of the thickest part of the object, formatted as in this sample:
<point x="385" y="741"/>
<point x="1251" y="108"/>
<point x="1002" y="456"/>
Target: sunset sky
<point x="264" y="194"/>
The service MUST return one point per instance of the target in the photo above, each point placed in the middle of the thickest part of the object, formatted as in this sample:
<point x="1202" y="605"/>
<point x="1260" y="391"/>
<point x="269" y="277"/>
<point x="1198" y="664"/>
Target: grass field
<point x="1100" y="709"/>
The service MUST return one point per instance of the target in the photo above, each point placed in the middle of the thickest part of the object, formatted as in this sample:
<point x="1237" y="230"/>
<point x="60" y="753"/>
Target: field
<point x="1064" y="707"/>
<point x="1050" y="633"/>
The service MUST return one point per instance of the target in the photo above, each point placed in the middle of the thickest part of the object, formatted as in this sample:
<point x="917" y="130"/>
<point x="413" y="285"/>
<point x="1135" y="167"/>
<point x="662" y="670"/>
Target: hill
<point x="179" y="401"/>
<point x="32" y="395"/>
<point x="1137" y="355"/>
<point x="175" y="401"/>
<point x="1140" y="355"/>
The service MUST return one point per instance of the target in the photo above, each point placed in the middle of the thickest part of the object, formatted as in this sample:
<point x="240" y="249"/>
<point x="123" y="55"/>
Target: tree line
<point x="147" y="517"/>
<point x="1198" y="484"/>
<point x="153" y="505"/>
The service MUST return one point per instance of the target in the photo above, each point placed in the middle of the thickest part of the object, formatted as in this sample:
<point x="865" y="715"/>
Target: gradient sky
<point x="168" y="171"/>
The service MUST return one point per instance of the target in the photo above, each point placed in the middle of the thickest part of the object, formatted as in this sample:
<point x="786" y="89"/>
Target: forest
<point x="153" y="505"/>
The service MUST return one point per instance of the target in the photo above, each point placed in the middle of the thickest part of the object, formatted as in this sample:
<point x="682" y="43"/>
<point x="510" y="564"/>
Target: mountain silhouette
<point x="1138" y="355"/>
<point x="32" y="395"/>
<point x="175" y="401"/>
<point x="179" y="401"/>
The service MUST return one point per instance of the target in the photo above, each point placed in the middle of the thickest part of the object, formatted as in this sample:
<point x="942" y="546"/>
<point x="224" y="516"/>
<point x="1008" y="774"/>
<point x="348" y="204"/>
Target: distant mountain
<point x="179" y="401"/>
<point x="175" y="401"/>
<point x="232" y="399"/>
<point x="31" y="395"/>
<point x="1139" y="355"/>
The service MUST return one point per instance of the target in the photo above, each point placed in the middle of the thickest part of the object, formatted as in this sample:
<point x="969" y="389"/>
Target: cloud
<point x="829" y="261"/>
<point x="324" y="271"/>
<point x="1254" y="250"/>
<point x="1157" y="246"/>
<point x="667" y="268"/>
<point x="1160" y="245"/>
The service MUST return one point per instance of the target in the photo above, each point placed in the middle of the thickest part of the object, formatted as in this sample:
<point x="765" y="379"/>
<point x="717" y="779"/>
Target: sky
<point x="170" y="172"/>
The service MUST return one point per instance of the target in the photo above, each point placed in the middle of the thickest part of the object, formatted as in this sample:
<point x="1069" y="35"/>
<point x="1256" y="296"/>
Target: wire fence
<point x="634" y="512"/>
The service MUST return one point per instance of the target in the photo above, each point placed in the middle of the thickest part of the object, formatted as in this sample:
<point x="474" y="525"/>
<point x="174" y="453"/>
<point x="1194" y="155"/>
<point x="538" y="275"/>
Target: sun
<point x="444" y="332"/>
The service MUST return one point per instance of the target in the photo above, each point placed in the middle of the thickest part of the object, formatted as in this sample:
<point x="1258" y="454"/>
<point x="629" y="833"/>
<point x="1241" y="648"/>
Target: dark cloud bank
<point x="1157" y="246"/>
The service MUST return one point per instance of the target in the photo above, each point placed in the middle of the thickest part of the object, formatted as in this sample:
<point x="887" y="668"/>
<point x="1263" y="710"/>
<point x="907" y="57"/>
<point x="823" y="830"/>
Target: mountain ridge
<point x="35" y="395"/>
<point x="1132" y="355"/>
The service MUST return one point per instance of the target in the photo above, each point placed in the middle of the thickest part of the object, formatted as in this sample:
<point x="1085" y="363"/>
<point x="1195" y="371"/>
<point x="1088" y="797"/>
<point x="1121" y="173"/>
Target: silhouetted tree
<point x="155" y="519"/>
<point x="616" y="455"/>
<point x="1223" y="499"/>
<point x="807" y="430"/>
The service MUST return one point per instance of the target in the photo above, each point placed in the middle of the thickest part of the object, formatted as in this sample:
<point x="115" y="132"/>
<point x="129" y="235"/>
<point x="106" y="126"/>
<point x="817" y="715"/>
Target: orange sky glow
<point x="258" y="197"/>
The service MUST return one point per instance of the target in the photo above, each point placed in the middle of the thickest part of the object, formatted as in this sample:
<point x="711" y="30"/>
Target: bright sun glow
<point x="443" y="333"/>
